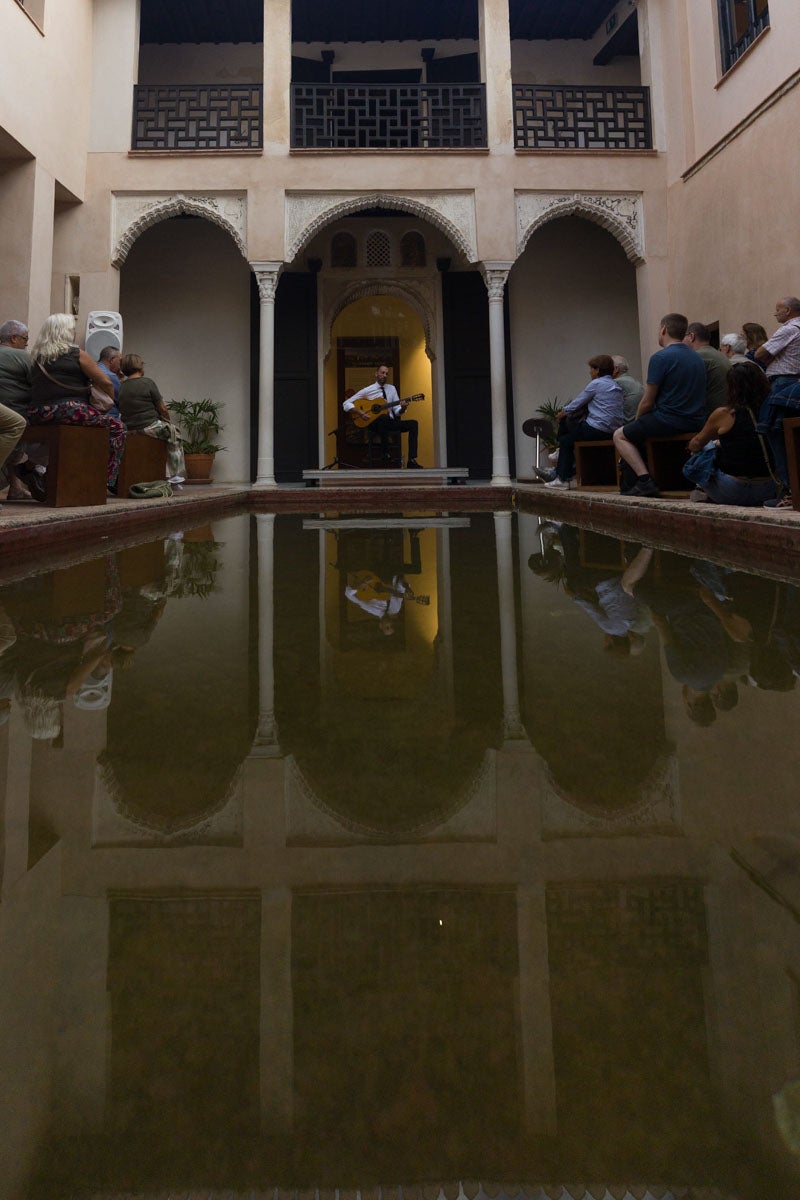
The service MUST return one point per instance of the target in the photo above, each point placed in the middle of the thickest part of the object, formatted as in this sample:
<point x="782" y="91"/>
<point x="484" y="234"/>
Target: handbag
<point x="96" y="397"/>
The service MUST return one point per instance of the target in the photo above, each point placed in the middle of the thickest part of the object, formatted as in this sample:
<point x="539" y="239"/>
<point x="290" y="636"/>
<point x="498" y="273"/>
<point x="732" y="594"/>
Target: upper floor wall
<point x="45" y="51"/>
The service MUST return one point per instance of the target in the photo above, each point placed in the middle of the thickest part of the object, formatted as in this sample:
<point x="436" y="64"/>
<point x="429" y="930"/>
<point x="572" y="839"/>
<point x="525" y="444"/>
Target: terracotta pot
<point x="199" y="468"/>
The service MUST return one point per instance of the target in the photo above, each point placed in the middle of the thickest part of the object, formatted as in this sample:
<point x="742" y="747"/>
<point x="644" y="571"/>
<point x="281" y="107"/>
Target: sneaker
<point x="784" y="501"/>
<point x="545" y="476"/>
<point x="644" y="486"/>
<point x="560" y="484"/>
<point x="176" y="479"/>
<point x="413" y="465"/>
<point x="699" y="497"/>
<point x="553" y="456"/>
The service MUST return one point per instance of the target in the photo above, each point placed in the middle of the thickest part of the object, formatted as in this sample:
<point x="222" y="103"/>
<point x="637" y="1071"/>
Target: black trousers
<point x="384" y="425"/>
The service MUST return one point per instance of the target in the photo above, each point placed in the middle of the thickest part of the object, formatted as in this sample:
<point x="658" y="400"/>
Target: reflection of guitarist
<point x="382" y="599"/>
<point x="392" y="421"/>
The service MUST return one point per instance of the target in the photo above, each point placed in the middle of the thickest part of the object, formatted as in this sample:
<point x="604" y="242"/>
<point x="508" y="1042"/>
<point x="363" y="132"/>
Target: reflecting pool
<point x="442" y="857"/>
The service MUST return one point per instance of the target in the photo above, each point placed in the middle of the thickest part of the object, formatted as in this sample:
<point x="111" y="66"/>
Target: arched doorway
<point x="572" y="294"/>
<point x="185" y="304"/>
<point x="366" y="332"/>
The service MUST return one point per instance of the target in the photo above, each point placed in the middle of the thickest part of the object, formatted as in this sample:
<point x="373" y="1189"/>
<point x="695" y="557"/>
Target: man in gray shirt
<point x="632" y="389"/>
<point x="698" y="336"/>
<point x="15" y="394"/>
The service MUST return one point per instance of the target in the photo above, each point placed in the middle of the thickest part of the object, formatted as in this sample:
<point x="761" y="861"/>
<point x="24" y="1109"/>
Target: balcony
<point x="186" y="117"/>
<point x="550" y="117"/>
<point x="388" y="116"/>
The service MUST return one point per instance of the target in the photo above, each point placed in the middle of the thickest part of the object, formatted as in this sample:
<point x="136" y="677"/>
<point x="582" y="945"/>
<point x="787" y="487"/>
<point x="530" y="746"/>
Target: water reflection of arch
<point x="473" y="803"/>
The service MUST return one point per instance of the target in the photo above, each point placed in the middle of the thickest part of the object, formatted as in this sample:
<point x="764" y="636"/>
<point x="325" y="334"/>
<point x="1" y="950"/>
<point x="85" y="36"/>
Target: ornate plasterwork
<point x="452" y="212"/>
<point x="134" y="212"/>
<point x="418" y="293"/>
<point x="495" y="275"/>
<point x="621" y="213"/>
<point x="657" y="808"/>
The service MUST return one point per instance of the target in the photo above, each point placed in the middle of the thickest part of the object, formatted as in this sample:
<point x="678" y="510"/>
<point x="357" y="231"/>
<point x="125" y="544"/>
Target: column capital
<point x="495" y="275"/>
<point x="266" y="274"/>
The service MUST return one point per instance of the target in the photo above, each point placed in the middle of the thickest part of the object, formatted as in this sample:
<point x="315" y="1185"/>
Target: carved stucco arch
<point x="134" y="214"/>
<point x="451" y="212"/>
<point x="407" y="292"/>
<point x="620" y="213"/>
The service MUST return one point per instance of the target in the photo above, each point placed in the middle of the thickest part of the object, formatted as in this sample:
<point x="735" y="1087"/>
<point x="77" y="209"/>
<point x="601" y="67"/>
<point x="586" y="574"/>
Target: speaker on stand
<point x="103" y="329"/>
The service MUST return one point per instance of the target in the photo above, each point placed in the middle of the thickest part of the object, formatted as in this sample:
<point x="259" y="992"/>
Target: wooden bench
<point x="143" y="461"/>
<point x="791" y="434"/>
<point x="597" y="466"/>
<point x="77" y="463"/>
<point x="666" y="457"/>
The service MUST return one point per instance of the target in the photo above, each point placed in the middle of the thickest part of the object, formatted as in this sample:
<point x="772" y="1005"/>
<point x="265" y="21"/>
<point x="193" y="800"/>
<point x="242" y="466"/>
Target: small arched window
<point x="379" y="249"/>
<point x="412" y="250"/>
<point x="343" y="250"/>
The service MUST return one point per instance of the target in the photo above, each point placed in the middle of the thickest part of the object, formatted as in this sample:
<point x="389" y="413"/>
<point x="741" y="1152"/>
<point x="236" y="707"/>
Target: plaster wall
<point x="383" y="56"/>
<point x="567" y="62"/>
<point x="44" y="88"/>
<point x="768" y="64"/>
<point x="185" y="303"/>
<point x="115" y="53"/>
<point x="202" y="63"/>
<point x="572" y="295"/>
<point x="728" y="201"/>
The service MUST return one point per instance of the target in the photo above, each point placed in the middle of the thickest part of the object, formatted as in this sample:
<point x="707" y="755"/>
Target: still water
<point x="364" y="853"/>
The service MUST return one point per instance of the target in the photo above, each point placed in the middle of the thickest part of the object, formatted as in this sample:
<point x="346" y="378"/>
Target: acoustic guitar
<point x="365" y="411"/>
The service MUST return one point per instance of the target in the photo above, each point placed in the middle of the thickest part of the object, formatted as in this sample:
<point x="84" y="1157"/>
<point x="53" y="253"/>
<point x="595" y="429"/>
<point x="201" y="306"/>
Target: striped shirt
<point x="784" y="346"/>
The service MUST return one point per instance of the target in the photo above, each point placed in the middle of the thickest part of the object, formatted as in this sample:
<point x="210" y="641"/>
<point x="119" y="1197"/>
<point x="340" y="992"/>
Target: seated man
<point x="674" y="402"/>
<point x="392" y="420"/>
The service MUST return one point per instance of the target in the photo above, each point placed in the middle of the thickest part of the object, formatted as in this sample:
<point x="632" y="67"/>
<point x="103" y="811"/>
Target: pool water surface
<point x="442" y="856"/>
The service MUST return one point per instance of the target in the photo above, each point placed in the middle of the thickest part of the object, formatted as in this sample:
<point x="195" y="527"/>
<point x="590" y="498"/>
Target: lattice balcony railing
<point x="550" y="117"/>
<point x="197" y="117"/>
<point x="394" y="116"/>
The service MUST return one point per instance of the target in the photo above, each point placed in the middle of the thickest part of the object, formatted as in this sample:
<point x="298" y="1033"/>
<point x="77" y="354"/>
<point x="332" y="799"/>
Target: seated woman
<point x="144" y="411"/>
<point x="597" y="412"/>
<point x="738" y="470"/>
<point x="61" y="381"/>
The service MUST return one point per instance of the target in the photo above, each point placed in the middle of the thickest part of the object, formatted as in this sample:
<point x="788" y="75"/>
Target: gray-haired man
<point x="632" y="389"/>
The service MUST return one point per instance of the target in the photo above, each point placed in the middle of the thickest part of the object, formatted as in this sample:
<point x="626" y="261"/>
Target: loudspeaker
<point x="103" y="329"/>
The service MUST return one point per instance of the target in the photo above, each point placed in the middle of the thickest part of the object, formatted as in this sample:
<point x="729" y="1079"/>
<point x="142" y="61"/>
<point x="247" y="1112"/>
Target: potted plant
<point x="199" y="421"/>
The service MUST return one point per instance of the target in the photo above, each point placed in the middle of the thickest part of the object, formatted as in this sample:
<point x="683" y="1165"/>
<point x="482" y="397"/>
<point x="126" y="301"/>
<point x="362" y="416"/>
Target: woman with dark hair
<point x="61" y="380"/>
<point x="592" y="416"/>
<point x="736" y="467"/>
<point x="755" y="335"/>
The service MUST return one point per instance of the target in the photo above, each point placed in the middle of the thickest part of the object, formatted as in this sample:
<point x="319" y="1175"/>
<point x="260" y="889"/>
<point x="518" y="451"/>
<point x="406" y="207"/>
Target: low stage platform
<point x="385" y="477"/>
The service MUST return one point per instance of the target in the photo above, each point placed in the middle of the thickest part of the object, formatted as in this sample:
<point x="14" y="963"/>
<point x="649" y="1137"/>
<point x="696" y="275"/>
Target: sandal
<point x="785" y="501"/>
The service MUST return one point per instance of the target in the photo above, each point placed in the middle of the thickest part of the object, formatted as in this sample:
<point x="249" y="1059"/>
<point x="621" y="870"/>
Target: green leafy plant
<point x="200" y="566"/>
<point x="550" y="410"/>
<point x="199" y="421"/>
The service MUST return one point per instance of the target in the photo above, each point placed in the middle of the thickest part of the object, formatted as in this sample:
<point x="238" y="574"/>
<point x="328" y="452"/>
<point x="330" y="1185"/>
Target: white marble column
<point x="266" y="744"/>
<point x="495" y="275"/>
<point x="513" y="730"/>
<point x="266" y="274"/>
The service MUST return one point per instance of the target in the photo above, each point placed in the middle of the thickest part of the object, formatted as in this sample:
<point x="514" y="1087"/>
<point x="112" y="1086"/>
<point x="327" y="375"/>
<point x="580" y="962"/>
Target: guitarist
<point x="392" y="420"/>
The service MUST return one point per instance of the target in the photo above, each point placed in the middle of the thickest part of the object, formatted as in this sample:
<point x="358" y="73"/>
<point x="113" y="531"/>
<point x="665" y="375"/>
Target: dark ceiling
<point x="365" y="20"/>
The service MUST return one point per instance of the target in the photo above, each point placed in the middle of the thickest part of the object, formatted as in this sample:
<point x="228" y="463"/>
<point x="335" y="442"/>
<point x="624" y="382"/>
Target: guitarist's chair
<point x="394" y="448"/>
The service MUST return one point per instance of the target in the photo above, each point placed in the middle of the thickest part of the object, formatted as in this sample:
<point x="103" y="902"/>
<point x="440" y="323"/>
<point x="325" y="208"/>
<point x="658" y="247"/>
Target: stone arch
<point x="408" y="292"/>
<point x="133" y="215"/>
<point x="619" y="213"/>
<point x="451" y="212"/>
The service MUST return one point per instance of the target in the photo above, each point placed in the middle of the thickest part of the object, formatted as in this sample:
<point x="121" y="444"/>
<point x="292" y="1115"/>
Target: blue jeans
<point x="726" y="489"/>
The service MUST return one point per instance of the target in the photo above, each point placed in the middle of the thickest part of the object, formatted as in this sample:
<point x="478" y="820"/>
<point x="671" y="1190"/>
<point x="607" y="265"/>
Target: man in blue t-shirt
<point x="674" y="401"/>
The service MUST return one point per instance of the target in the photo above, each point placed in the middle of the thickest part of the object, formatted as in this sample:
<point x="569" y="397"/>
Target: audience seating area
<point x="78" y="459"/>
<point x="144" y="461"/>
<point x="597" y="465"/>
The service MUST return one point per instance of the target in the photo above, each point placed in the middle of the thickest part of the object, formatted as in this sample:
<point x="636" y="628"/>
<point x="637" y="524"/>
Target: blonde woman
<point x="61" y="379"/>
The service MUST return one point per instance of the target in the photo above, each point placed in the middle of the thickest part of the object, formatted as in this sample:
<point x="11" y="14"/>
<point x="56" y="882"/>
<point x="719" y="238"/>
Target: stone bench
<point x="144" y="461"/>
<point x="77" y="463"/>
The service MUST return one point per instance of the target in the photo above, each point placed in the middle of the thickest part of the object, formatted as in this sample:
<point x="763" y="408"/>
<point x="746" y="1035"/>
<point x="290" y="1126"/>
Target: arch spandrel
<point x="307" y="213"/>
<point x="620" y="213"/>
<point x="134" y="213"/>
